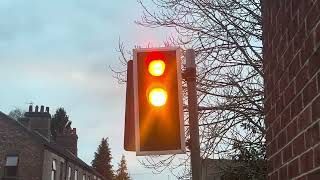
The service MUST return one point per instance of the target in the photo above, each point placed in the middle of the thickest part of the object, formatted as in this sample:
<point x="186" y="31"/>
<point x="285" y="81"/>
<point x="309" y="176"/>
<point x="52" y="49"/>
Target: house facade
<point x="27" y="151"/>
<point x="221" y="169"/>
<point x="215" y="169"/>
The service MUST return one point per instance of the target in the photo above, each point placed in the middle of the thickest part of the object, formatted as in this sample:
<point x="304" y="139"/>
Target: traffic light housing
<point x="129" y="126"/>
<point x="158" y="110"/>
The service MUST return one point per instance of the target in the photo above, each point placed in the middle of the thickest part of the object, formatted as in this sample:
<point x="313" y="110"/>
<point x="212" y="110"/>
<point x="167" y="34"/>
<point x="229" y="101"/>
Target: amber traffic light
<point x="157" y="101"/>
<point x="157" y="97"/>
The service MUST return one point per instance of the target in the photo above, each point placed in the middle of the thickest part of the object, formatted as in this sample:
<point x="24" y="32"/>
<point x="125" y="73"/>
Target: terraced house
<point x="27" y="151"/>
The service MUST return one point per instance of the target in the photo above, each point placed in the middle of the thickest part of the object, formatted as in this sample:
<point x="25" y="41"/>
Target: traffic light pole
<point x="190" y="76"/>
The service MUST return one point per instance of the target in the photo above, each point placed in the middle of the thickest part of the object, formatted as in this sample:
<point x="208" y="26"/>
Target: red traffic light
<point x="156" y="67"/>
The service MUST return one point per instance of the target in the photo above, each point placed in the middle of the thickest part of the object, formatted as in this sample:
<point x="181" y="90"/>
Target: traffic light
<point x="158" y="113"/>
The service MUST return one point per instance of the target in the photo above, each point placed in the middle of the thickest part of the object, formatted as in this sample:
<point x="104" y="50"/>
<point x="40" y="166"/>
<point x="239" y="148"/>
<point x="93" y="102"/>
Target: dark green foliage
<point x="102" y="160"/>
<point x="58" y="122"/>
<point x="251" y="163"/>
<point x="122" y="172"/>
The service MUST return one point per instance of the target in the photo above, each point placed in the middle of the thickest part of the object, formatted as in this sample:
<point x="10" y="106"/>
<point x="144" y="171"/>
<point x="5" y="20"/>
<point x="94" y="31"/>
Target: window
<point x="61" y="170"/>
<point x="11" y="168"/>
<point x="88" y="177"/>
<point x="69" y="173"/>
<point x="75" y="174"/>
<point x="84" y="177"/>
<point x="53" y="170"/>
<point x="94" y="177"/>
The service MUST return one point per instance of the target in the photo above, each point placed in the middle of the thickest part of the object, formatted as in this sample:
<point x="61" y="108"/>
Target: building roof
<point x="51" y="145"/>
<point x="216" y="168"/>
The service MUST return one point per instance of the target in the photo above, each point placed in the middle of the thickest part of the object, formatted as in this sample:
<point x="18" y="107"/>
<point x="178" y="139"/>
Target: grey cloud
<point x="55" y="27"/>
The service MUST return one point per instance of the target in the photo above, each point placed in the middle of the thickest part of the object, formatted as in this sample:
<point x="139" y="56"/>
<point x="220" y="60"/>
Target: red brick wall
<point x="68" y="141"/>
<point x="291" y="54"/>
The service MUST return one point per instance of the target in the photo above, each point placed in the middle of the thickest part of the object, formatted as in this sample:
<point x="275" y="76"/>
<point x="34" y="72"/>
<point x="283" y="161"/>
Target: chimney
<point x="68" y="139"/>
<point x="30" y="108"/>
<point x="39" y="121"/>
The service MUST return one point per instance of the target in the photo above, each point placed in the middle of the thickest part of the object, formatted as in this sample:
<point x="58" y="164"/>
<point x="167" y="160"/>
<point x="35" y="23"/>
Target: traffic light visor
<point x="157" y="97"/>
<point x="156" y="67"/>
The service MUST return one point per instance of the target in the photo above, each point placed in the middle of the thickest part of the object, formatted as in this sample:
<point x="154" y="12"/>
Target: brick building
<point x="27" y="151"/>
<point x="291" y="39"/>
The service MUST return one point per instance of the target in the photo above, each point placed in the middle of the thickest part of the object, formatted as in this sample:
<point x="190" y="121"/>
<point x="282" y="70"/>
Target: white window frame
<point x="12" y="161"/>
<point x="69" y="173"/>
<point x="75" y="174"/>
<point x="53" y="170"/>
<point x="9" y="161"/>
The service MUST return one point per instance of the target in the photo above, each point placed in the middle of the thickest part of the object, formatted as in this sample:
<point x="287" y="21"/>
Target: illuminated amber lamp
<point x="157" y="97"/>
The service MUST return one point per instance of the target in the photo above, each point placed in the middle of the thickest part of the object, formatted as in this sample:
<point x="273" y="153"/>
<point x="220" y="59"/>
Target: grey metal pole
<point x="190" y="76"/>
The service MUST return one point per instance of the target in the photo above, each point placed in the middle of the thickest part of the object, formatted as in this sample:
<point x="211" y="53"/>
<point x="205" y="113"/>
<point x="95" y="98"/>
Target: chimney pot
<point x="47" y="109"/>
<point x="42" y="109"/>
<point x="37" y="108"/>
<point x="30" y="108"/>
<point x="74" y="131"/>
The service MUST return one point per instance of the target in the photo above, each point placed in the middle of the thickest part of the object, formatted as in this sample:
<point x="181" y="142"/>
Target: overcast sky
<point x="57" y="53"/>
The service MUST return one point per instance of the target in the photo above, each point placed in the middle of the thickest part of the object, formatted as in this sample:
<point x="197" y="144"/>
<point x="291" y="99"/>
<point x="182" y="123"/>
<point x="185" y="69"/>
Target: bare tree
<point x="227" y="38"/>
<point x="17" y="113"/>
